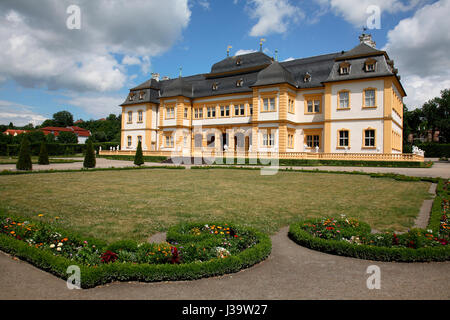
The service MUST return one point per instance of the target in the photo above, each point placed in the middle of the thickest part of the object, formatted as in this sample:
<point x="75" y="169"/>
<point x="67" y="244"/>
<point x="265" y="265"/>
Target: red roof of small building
<point x="13" y="132"/>
<point x="56" y="130"/>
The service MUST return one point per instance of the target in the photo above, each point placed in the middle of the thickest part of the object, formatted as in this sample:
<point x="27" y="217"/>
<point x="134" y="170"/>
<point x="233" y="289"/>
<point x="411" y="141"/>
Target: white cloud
<point x="96" y="104"/>
<point x="355" y="11"/>
<point x="130" y="61"/>
<point x="243" y="51"/>
<point x="420" y="47"/>
<point x="289" y="59"/>
<point x="274" y="16"/>
<point x="204" y="4"/>
<point x="37" y="49"/>
<point x="19" y="115"/>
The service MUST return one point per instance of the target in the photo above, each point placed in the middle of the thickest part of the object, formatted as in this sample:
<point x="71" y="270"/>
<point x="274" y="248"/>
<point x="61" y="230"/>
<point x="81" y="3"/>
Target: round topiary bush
<point x="352" y="238"/>
<point x="192" y="251"/>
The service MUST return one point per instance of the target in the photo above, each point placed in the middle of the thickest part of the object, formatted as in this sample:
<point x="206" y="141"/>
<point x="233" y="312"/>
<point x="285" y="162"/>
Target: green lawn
<point x="134" y="204"/>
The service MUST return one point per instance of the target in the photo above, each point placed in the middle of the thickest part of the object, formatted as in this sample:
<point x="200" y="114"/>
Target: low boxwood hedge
<point x="300" y="233"/>
<point x="102" y="273"/>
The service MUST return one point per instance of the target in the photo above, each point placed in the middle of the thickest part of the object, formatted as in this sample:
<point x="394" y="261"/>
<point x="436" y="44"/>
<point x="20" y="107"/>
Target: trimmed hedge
<point x="435" y="150"/>
<point x="54" y="149"/>
<point x="105" y="273"/>
<point x="131" y="158"/>
<point x="340" y="163"/>
<point x="361" y="251"/>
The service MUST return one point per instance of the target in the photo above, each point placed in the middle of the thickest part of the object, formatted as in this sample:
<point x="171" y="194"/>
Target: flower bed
<point x="193" y="251"/>
<point x="348" y="237"/>
<point x="352" y="238"/>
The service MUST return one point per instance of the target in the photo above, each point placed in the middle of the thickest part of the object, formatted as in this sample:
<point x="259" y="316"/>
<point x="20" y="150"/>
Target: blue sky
<point x="45" y="67"/>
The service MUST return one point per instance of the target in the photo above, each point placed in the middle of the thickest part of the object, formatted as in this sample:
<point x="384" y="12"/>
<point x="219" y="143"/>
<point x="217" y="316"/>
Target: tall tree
<point x="63" y="119"/>
<point x="24" y="161"/>
<point x="139" y="157"/>
<point x="67" y="137"/>
<point x="89" y="158"/>
<point x="43" y="154"/>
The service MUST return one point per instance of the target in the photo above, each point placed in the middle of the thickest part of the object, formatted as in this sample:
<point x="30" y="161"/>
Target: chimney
<point x="155" y="76"/>
<point x="367" y="39"/>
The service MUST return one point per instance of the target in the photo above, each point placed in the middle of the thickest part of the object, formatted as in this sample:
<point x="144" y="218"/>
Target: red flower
<point x="109" y="256"/>
<point x="443" y="242"/>
<point x="175" y="259"/>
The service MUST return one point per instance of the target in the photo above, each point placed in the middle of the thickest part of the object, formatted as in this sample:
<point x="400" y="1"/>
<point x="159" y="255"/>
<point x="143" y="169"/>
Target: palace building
<point x="338" y="105"/>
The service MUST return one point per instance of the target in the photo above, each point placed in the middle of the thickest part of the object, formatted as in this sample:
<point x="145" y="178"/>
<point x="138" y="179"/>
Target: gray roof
<point x="257" y="60"/>
<point x="177" y="87"/>
<point x="274" y="74"/>
<point x="361" y="50"/>
<point x="258" y="69"/>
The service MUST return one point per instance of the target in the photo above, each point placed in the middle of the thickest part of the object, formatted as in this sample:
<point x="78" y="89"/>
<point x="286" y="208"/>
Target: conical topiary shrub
<point x="24" y="161"/>
<point x="139" y="157"/>
<point x="89" y="158"/>
<point x="43" y="154"/>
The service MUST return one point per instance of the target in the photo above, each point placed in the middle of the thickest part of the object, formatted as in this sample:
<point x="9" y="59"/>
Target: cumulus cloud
<point x="38" y="50"/>
<point x="355" y="11"/>
<point x="96" y="104"/>
<point x="273" y="16"/>
<point x="19" y="115"/>
<point x="420" y="46"/>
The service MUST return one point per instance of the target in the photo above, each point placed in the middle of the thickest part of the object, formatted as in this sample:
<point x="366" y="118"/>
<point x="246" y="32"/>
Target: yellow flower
<point x="40" y="215"/>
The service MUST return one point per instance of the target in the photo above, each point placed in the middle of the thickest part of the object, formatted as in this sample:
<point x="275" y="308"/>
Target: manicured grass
<point x="134" y="204"/>
<point x="13" y="160"/>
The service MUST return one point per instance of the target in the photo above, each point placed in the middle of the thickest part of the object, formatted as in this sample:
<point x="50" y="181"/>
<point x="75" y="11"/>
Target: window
<point x="269" y="104"/>
<point x="344" y="68"/>
<point x="215" y="86"/>
<point x="307" y="77"/>
<point x="369" y="98"/>
<point x="239" y="83"/>
<point x="139" y="139"/>
<point x="344" y="100"/>
<point x="186" y="113"/>
<point x="130" y="116"/>
<point x="291" y="140"/>
<point x="268" y="139"/>
<point x="185" y="141"/>
<point x="250" y="109"/>
<point x="313" y="141"/>
<point x="211" y="112"/>
<point x="169" y="141"/>
<point x="239" y="110"/>
<point x="198" y="113"/>
<point x="170" y="112"/>
<point x="343" y="138"/>
<point x="140" y="116"/>
<point x="224" y="111"/>
<point x="313" y="106"/>
<point x="211" y="140"/>
<point x="141" y="95"/>
<point x="369" y="138"/>
<point x="129" y="141"/>
<point x="238" y="62"/>
<point x="369" y="65"/>
<point x="291" y="106"/>
<point x="198" y="140"/>
<point x="131" y="96"/>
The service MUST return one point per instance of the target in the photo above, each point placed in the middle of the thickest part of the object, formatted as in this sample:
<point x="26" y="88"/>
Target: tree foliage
<point x="24" y="161"/>
<point x="89" y="158"/>
<point x="67" y="137"/>
<point x="139" y="157"/>
<point x="63" y="119"/>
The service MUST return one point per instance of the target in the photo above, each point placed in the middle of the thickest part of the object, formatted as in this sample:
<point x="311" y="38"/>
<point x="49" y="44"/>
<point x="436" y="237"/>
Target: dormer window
<point x="239" y="83"/>
<point x="215" y="86"/>
<point x="238" y="62"/>
<point x="307" y="77"/>
<point x="141" y="95"/>
<point x="344" y="68"/>
<point x="131" y="96"/>
<point x="369" y="65"/>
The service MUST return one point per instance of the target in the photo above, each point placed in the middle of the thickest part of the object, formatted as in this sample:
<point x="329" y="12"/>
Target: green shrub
<point x="139" y="157"/>
<point x="24" y="161"/>
<point x="89" y="158"/>
<point x="43" y="154"/>
<point x="435" y="150"/>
